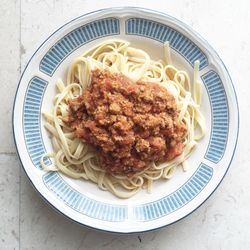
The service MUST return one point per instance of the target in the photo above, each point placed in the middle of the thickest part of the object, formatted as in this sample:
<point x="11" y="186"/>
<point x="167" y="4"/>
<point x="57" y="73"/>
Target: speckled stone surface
<point x="27" y="222"/>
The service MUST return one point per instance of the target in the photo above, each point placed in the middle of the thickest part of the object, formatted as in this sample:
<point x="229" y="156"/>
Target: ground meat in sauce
<point x="129" y="124"/>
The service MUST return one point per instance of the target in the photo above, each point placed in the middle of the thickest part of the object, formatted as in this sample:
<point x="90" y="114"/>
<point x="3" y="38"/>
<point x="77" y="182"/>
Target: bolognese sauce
<point x="130" y="124"/>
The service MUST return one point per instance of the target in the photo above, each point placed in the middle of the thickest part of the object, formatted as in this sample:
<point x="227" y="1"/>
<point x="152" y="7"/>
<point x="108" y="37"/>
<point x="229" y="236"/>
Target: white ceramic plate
<point x="170" y="200"/>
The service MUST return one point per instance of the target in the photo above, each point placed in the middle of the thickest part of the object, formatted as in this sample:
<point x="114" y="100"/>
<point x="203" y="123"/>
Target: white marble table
<point x="26" y="222"/>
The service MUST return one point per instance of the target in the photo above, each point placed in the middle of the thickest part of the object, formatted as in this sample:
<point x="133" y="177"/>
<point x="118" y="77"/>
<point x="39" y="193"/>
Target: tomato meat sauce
<point x="130" y="124"/>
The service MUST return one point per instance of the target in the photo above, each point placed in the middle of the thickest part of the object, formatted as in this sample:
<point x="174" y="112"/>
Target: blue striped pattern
<point x="73" y="40"/>
<point x="162" y="33"/>
<point x="220" y="116"/>
<point x="177" y="199"/>
<point x="83" y="204"/>
<point x="31" y="120"/>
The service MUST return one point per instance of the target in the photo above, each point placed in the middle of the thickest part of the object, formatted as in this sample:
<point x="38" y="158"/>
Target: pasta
<point x="77" y="159"/>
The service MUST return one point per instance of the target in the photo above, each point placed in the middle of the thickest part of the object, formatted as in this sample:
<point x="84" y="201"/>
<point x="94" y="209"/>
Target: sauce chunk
<point x="130" y="124"/>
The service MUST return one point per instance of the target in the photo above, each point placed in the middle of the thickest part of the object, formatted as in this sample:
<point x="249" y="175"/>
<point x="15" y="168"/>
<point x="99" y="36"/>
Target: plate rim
<point x="162" y="14"/>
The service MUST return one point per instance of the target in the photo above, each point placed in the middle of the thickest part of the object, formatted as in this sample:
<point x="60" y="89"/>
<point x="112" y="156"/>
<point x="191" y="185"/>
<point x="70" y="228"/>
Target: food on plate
<point x="123" y="120"/>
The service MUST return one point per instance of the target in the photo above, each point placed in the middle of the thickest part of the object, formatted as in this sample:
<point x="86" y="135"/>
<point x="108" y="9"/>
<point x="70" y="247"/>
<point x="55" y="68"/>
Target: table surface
<point x="28" y="223"/>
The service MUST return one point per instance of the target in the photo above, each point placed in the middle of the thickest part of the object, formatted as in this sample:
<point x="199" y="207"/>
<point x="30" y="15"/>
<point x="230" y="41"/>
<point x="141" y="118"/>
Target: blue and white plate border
<point x="156" y="15"/>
